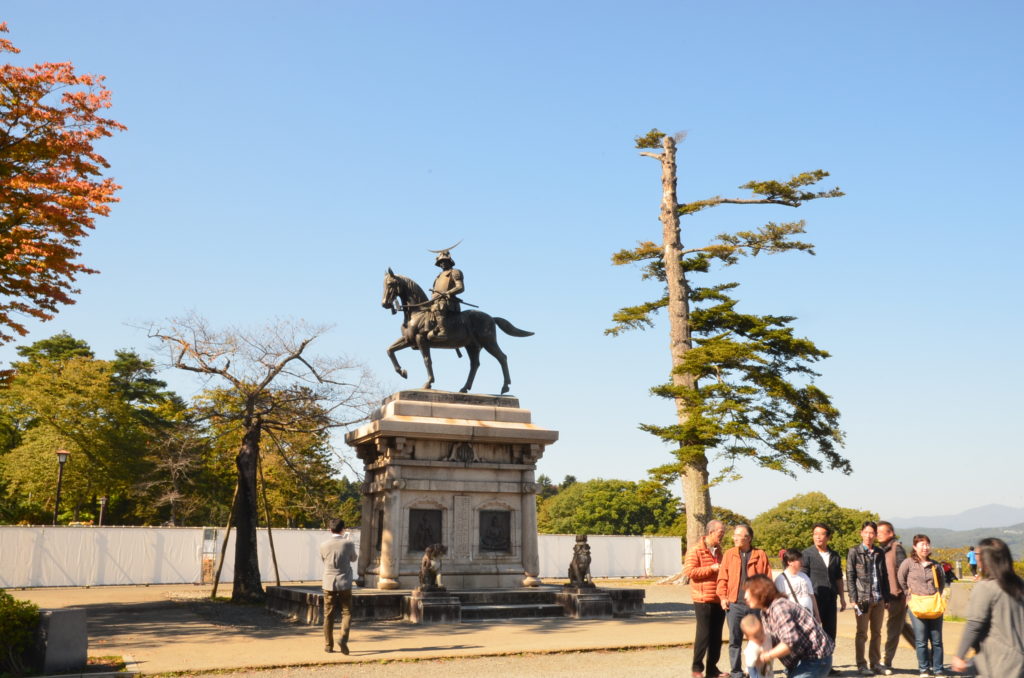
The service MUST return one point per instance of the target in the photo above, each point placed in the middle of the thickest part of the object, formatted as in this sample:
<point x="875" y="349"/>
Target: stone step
<point x="510" y="611"/>
<point x="506" y="597"/>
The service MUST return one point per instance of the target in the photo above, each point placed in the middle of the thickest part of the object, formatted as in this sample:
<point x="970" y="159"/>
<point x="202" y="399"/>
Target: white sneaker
<point x="885" y="669"/>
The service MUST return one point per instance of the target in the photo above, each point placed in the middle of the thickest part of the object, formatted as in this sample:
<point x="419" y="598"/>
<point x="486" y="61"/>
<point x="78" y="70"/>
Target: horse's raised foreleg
<point x="398" y="346"/>
<point x="427" y="362"/>
<point x="495" y="350"/>
<point x="474" y="362"/>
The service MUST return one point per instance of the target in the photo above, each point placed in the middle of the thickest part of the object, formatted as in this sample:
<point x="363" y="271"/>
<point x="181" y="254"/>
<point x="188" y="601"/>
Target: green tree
<point x="546" y="488"/>
<point x="188" y="485"/>
<point x="789" y="525"/>
<point x="109" y="414"/>
<point x="609" y="507"/>
<point x="351" y="496"/>
<point x="742" y="384"/>
<point x="58" y="348"/>
<point x="73" y="405"/>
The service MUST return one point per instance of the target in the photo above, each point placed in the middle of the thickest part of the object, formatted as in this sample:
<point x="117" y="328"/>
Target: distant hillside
<point x="990" y="515"/>
<point x="942" y="538"/>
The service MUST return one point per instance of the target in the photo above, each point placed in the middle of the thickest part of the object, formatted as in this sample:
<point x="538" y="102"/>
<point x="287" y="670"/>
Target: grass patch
<point x="104" y="664"/>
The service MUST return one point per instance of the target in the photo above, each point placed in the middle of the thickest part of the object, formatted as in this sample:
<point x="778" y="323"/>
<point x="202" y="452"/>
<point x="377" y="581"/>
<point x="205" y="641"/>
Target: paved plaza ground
<point x="176" y="629"/>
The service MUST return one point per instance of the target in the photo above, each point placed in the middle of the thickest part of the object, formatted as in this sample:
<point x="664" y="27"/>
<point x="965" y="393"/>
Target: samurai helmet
<point x="442" y="257"/>
<point x="445" y="255"/>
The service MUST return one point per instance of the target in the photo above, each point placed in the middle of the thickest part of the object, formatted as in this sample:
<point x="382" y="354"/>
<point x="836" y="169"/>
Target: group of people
<point x="793" y="618"/>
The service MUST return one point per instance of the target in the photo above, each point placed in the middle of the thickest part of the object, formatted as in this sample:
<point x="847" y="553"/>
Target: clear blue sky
<point x="280" y="156"/>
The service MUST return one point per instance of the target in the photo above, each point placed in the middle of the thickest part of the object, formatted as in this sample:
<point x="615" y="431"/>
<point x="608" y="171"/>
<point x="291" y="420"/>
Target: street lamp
<point x="62" y="458"/>
<point x="103" y="507"/>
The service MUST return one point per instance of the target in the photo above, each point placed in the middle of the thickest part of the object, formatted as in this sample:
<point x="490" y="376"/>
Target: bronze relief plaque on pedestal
<point x="496" y="531"/>
<point x="424" y="529"/>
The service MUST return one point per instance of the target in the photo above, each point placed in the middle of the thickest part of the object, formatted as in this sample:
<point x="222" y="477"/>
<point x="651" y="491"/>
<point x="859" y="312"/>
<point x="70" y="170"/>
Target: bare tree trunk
<point x="247" y="585"/>
<point x="694" y="478"/>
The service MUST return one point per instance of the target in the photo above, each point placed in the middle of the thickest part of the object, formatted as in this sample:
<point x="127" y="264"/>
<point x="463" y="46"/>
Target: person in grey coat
<point x="337" y="553"/>
<point x="995" y="617"/>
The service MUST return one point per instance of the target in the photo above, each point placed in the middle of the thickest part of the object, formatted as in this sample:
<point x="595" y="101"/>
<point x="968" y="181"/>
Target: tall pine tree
<point x="742" y="384"/>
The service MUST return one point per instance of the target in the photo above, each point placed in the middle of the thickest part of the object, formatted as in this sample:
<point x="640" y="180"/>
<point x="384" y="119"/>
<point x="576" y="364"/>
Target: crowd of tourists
<point x="789" y="623"/>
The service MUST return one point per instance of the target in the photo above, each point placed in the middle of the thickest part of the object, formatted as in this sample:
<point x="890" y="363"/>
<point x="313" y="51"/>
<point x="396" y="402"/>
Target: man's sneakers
<point x="884" y="669"/>
<point x="865" y="671"/>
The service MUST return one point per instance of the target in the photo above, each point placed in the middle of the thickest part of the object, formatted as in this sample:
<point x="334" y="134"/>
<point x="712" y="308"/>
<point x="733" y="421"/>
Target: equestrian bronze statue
<point x="440" y="322"/>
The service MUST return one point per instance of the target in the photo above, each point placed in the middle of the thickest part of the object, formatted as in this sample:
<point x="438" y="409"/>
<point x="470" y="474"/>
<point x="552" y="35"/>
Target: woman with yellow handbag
<point x="919" y="576"/>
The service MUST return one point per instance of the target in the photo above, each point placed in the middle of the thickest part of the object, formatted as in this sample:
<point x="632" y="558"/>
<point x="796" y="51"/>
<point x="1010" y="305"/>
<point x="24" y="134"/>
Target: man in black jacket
<point x="822" y="565"/>
<point x="869" y="587"/>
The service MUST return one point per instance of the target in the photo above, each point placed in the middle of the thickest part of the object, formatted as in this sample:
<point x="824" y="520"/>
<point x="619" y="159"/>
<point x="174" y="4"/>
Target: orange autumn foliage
<point x="51" y="187"/>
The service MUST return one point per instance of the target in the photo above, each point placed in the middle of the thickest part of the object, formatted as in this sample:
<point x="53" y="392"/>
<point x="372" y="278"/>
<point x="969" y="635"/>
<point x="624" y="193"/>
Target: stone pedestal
<point x="585" y="603"/>
<point x="61" y="642"/>
<point x="455" y="469"/>
<point x="433" y="607"/>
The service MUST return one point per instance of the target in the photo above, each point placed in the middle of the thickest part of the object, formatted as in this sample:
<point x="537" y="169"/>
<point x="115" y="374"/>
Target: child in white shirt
<point x="757" y="642"/>
<point x="796" y="585"/>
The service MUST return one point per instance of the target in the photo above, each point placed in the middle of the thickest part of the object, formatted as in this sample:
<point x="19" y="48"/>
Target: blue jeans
<point x="737" y="611"/>
<point x="927" y="630"/>
<point x="811" y="668"/>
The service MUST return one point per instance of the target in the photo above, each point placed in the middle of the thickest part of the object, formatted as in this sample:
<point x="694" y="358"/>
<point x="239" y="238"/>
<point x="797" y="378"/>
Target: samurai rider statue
<point x="445" y="306"/>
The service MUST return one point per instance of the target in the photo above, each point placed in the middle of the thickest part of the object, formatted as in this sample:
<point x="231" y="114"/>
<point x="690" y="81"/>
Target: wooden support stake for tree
<point x="224" y="546"/>
<point x="266" y="511"/>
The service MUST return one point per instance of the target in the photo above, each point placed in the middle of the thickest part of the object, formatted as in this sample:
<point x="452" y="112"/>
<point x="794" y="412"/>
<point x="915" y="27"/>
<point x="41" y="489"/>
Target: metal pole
<point x="60" y="479"/>
<point x="266" y="509"/>
<point x="224" y="547"/>
<point x="103" y="508"/>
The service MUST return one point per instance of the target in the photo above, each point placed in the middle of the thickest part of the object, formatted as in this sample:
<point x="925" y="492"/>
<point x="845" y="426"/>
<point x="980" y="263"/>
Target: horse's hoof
<point x="504" y="389"/>
<point x="463" y="390"/>
<point x="426" y="386"/>
<point x="404" y="374"/>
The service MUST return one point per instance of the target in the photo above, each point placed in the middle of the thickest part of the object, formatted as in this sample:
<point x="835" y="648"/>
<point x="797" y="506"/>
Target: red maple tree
<point x="51" y="187"/>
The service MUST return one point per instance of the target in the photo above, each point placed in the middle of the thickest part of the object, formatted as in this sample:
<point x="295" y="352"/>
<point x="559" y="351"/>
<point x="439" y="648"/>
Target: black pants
<point x="737" y="611"/>
<point x="827" y="608"/>
<point x="710" y="618"/>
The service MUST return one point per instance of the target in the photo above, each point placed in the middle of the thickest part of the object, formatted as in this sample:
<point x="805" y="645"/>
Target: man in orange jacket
<point x="738" y="564"/>
<point x="702" y="564"/>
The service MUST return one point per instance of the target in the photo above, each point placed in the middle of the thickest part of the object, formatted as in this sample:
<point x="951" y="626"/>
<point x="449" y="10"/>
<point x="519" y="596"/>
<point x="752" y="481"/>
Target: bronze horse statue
<point x="473" y="330"/>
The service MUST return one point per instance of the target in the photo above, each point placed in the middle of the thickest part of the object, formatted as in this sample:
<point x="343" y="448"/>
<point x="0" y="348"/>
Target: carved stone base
<point x="454" y="469"/>
<point x="433" y="607"/>
<point x="626" y="602"/>
<point x="305" y="604"/>
<point x="585" y="603"/>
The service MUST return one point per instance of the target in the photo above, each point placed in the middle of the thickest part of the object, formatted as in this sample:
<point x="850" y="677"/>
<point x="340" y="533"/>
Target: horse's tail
<point x="510" y="329"/>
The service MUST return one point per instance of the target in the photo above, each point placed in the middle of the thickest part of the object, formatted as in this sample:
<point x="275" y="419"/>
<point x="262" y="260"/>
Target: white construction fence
<point x="118" y="556"/>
